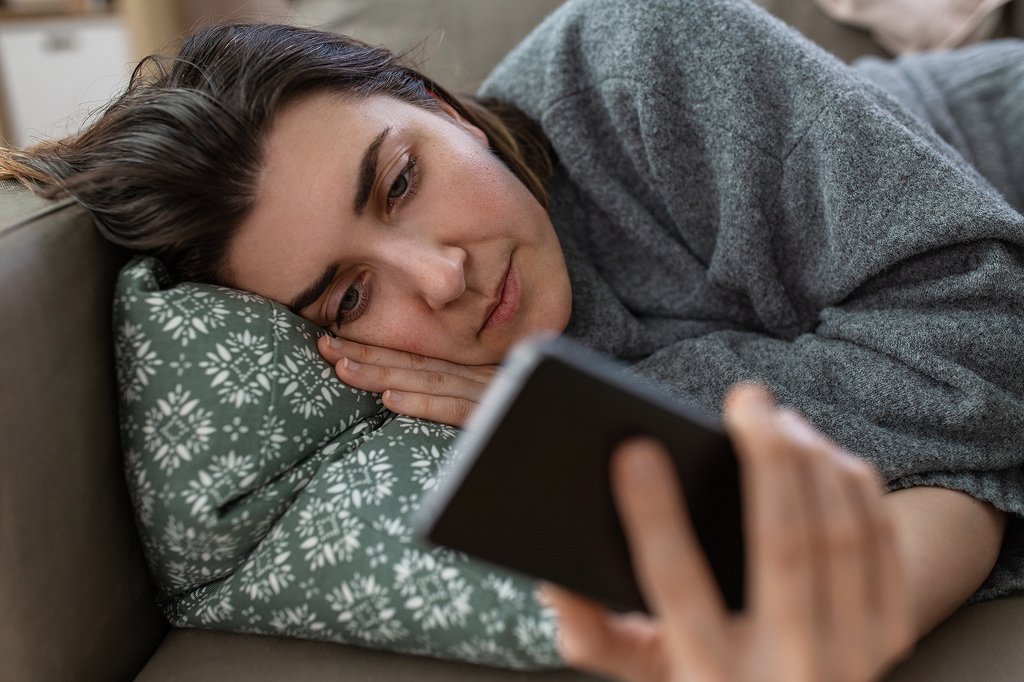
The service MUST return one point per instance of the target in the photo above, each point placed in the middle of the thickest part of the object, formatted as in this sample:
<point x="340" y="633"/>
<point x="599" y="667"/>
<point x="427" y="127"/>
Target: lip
<point x="507" y="300"/>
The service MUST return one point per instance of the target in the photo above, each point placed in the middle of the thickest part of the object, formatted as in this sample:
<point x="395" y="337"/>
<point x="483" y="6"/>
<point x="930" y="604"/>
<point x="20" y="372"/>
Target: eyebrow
<point x="367" y="176"/>
<point x="315" y="291"/>
<point x="368" y="172"/>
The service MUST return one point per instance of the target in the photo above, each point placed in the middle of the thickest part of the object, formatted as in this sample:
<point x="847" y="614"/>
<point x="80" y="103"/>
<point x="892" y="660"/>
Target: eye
<point x="350" y="299"/>
<point x="353" y="302"/>
<point x="400" y="185"/>
<point x="404" y="187"/>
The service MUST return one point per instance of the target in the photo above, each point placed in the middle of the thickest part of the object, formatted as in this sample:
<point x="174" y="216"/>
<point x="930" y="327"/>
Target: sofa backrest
<point x="76" y="601"/>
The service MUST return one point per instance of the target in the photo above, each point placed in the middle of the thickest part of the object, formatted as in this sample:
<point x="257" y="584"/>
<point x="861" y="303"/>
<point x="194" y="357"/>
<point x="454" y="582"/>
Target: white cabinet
<point x="53" y="72"/>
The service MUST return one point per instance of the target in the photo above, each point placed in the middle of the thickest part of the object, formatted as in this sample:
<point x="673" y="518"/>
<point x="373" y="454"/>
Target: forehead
<point x="328" y="121"/>
<point x="308" y="182"/>
<point x="311" y="158"/>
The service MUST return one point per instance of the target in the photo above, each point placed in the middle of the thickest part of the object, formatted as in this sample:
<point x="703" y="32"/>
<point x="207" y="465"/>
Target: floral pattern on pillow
<point x="271" y="498"/>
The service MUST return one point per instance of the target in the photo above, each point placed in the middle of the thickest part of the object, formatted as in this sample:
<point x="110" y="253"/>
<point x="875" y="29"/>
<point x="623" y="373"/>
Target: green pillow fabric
<point x="271" y="498"/>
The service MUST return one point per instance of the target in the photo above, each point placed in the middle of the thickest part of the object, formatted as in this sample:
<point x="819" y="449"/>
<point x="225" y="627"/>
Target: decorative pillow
<point x="272" y="498"/>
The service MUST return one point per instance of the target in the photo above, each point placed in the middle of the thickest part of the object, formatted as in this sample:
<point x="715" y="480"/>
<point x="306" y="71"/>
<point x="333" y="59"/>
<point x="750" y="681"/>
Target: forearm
<point x="949" y="542"/>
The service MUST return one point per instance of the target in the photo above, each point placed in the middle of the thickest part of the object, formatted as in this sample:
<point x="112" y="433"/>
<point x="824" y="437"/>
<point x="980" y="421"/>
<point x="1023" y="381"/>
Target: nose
<point x="437" y="272"/>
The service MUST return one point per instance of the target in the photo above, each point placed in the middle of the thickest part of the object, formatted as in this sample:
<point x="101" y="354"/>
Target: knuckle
<point x="843" y="537"/>
<point x="417" y="361"/>
<point x="434" y="381"/>
<point x="358" y="351"/>
<point x="773" y="451"/>
<point x="460" y="411"/>
<point x="788" y="549"/>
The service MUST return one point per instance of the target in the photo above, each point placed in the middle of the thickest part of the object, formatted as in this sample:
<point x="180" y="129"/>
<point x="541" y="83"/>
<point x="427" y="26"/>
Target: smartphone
<point x="528" y="487"/>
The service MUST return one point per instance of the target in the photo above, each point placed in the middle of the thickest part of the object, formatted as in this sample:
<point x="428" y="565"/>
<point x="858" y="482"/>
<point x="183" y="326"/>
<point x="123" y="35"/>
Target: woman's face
<point x="396" y="226"/>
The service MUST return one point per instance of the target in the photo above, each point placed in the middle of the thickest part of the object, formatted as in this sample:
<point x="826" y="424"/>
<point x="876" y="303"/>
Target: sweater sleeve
<point x="736" y="205"/>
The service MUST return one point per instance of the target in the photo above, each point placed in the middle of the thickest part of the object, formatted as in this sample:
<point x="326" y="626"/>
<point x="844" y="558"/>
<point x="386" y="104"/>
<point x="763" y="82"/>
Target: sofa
<point x="76" y="599"/>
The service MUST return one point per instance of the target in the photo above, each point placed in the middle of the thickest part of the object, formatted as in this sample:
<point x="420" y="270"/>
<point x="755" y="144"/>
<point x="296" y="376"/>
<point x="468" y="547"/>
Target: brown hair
<point x="171" y="166"/>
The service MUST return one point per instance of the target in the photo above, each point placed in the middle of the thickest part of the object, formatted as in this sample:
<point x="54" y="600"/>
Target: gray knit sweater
<point x="736" y="205"/>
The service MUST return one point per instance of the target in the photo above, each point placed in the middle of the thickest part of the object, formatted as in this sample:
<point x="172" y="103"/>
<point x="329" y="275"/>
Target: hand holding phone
<point x="528" y="488"/>
<point x="827" y="596"/>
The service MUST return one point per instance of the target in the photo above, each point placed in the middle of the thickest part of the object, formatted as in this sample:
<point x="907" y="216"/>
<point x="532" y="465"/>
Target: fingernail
<point x="349" y="364"/>
<point x="392" y="396"/>
<point x="334" y="342"/>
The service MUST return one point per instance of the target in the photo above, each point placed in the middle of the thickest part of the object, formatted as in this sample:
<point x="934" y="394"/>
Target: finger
<point x="591" y="639"/>
<point x="776" y="511"/>
<point x="670" y="566"/>
<point x="379" y="378"/>
<point x="443" y="409"/>
<point x="840" y="544"/>
<point x="334" y="349"/>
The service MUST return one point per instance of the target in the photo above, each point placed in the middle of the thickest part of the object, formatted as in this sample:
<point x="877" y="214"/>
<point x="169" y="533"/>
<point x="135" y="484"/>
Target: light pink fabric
<point x="902" y="26"/>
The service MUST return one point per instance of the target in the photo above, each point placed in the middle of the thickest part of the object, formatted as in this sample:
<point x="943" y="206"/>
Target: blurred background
<point x="62" y="59"/>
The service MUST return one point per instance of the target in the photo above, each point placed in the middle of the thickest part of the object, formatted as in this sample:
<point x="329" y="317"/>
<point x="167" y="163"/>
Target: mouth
<point x="507" y="300"/>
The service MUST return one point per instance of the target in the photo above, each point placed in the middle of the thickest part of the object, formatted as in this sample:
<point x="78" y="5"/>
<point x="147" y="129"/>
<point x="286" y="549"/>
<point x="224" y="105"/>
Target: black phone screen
<point x="530" y="491"/>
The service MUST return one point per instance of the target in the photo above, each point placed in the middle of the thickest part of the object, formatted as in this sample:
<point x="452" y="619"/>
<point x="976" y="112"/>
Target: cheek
<point x="400" y="328"/>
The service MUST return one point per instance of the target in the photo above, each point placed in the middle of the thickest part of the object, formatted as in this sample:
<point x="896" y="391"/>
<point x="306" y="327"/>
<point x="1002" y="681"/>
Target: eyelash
<point x="412" y="185"/>
<point x="342" y="316"/>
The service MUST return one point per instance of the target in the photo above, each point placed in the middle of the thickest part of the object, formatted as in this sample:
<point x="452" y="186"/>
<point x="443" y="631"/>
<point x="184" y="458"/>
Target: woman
<point x="719" y="203"/>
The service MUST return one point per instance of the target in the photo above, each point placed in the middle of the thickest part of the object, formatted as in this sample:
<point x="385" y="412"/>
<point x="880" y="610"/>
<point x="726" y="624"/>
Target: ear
<point x="476" y="132"/>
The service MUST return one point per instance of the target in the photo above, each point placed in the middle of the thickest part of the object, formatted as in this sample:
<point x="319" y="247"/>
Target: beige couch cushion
<point x="222" y="657"/>
<point x="75" y="597"/>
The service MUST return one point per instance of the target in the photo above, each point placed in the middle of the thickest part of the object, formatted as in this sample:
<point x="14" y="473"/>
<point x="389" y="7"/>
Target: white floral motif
<point x="126" y="299"/>
<point x="393" y="527"/>
<point x="176" y="429"/>
<point x="299" y="621"/>
<point x="235" y="429"/>
<point x="243" y="296"/>
<point x="437" y="595"/>
<point x="136" y="361"/>
<point x="251" y="614"/>
<point x="331" y="533"/>
<point x="225" y="473"/>
<point x="309" y="392"/>
<point x="186" y="574"/>
<point x="534" y="633"/>
<point x="492" y="621"/>
<point x="481" y="650"/>
<point x="181" y="366"/>
<point x="216" y="607"/>
<point x="239" y="368"/>
<point x="376" y="555"/>
<point x="504" y="588"/>
<point x="279" y="324"/>
<point x="411" y="425"/>
<point x="428" y="465"/>
<point x="271" y="437"/>
<point x="365" y="610"/>
<point x="192" y="311"/>
<point x="267" y="572"/>
<point x="197" y="546"/>
<point x="363" y="478"/>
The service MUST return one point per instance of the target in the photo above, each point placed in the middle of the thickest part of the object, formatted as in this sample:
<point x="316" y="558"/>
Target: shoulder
<point x="674" y="45"/>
